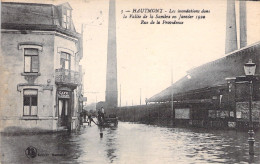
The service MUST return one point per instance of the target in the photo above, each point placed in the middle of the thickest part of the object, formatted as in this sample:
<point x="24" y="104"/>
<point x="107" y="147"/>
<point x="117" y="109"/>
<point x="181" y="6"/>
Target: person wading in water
<point x="90" y="119"/>
<point x="99" y="117"/>
<point x="103" y="114"/>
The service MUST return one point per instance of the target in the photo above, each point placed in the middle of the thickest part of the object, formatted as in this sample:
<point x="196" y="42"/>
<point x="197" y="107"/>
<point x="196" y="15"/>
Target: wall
<point x="150" y="113"/>
<point x="242" y="111"/>
<point x="13" y="63"/>
<point x="66" y="44"/>
<point x="205" y="116"/>
<point x="69" y="45"/>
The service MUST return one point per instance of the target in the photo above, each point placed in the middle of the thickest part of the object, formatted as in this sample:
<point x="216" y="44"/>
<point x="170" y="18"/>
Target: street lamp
<point x="250" y="68"/>
<point x="250" y="72"/>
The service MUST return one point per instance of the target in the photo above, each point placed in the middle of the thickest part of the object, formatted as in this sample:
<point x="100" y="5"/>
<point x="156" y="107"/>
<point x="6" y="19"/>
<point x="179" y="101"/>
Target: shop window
<point x="30" y="102"/>
<point x="65" y="60"/>
<point x="31" y="60"/>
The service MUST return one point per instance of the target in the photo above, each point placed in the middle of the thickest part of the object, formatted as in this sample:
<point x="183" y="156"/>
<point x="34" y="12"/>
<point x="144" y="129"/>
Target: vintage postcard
<point x="130" y="81"/>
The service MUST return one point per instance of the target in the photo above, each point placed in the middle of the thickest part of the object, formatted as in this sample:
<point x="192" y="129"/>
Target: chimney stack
<point x="111" y="76"/>
<point x="231" y="30"/>
<point x="243" y="23"/>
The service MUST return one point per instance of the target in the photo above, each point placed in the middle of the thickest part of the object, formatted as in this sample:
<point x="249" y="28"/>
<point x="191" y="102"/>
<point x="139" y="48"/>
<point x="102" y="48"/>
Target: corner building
<point x="41" y="51"/>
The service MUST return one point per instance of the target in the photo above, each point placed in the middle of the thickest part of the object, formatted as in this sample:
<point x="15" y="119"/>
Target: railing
<point x="66" y="76"/>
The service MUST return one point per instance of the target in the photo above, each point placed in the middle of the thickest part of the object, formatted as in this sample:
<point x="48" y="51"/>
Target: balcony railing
<point x="66" y="76"/>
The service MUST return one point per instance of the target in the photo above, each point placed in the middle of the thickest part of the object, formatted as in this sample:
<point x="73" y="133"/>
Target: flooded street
<point x="132" y="143"/>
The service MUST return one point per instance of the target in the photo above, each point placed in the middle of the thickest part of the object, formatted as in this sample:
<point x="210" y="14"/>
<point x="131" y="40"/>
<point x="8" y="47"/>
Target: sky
<point x="148" y="55"/>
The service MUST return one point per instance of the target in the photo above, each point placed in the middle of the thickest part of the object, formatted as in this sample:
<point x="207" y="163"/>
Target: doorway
<point x="63" y="111"/>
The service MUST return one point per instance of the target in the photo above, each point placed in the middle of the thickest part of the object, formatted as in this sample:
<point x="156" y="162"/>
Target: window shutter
<point x="35" y="63"/>
<point x="27" y="64"/>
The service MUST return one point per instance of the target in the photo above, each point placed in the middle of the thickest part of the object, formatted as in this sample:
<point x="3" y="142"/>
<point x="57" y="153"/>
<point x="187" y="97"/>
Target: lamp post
<point x="250" y="72"/>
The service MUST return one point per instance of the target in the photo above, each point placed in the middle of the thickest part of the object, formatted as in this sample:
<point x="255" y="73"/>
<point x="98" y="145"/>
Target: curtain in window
<point x="65" y="60"/>
<point x="31" y="60"/>
<point x="60" y="107"/>
<point x="26" y="102"/>
<point x="66" y="18"/>
<point x="30" y="102"/>
<point x="33" y="110"/>
<point x="66" y="107"/>
<point x="27" y="64"/>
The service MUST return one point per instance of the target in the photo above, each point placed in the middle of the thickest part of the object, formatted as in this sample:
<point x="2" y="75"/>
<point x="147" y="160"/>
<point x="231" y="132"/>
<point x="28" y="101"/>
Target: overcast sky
<point x="146" y="53"/>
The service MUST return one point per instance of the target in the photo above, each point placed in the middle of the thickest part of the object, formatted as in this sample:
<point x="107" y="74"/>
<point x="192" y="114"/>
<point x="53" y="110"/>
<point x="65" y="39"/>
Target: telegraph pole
<point x="120" y="95"/>
<point x="171" y="93"/>
<point x="96" y="102"/>
<point x="140" y="96"/>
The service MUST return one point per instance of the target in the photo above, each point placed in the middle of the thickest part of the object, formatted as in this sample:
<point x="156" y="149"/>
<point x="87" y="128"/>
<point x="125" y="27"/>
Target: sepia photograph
<point x="130" y="81"/>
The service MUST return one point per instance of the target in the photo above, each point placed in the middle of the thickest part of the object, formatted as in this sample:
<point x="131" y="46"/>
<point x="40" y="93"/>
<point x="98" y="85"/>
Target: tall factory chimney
<point x="231" y="30"/>
<point x="111" y="76"/>
<point x="243" y="23"/>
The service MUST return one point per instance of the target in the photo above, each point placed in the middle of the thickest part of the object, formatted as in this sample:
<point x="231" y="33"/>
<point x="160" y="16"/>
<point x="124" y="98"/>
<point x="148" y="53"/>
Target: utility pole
<point x="140" y="96"/>
<point x="171" y="92"/>
<point x="96" y="102"/>
<point x="172" y="110"/>
<point x="120" y="95"/>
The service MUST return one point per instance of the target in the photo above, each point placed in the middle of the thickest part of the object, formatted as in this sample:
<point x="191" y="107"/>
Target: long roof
<point x="212" y="74"/>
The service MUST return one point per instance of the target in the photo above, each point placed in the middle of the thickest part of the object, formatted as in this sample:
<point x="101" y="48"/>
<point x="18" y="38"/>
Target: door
<point x="63" y="111"/>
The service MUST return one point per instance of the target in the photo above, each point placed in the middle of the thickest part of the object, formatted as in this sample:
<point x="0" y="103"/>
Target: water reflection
<point x="111" y="144"/>
<point x="132" y="143"/>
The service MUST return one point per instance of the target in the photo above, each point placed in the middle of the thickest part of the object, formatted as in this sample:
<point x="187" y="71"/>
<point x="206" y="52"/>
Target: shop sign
<point x="63" y="94"/>
<point x="183" y="113"/>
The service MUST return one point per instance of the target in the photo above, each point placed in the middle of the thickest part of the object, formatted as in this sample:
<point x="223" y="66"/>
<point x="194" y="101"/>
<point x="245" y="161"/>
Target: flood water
<point x="132" y="143"/>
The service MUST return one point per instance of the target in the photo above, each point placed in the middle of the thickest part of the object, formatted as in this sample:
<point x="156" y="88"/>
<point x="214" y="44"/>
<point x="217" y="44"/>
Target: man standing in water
<point x="103" y="114"/>
<point x="84" y="115"/>
<point x="99" y="117"/>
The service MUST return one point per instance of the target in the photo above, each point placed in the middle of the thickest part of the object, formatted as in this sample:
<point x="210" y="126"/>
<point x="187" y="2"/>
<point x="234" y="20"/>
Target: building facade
<point x="42" y="78"/>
